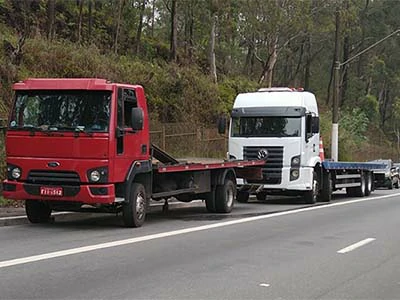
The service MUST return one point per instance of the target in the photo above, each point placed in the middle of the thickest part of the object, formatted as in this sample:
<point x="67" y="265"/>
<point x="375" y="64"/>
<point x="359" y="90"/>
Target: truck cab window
<point x="125" y="102"/>
<point x="129" y="103"/>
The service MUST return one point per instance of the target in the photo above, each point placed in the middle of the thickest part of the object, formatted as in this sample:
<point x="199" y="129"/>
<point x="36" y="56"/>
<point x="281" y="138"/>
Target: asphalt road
<point x="348" y="249"/>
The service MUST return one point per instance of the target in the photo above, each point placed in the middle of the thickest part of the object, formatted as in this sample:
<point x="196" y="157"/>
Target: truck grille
<point x="272" y="172"/>
<point x="53" y="177"/>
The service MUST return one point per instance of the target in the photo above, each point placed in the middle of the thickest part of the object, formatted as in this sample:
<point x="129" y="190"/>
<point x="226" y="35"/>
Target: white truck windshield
<point x="266" y="127"/>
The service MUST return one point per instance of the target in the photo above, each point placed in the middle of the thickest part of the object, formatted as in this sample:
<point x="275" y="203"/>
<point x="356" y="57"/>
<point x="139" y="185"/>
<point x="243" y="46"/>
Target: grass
<point x="9" y="203"/>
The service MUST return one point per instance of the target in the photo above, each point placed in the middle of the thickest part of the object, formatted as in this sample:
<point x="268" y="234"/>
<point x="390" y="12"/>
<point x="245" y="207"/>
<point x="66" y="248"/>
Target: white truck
<point x="281" y="125"/>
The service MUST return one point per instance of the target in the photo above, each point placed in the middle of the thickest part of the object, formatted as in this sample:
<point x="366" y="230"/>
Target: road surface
<point x="348" y="249"/>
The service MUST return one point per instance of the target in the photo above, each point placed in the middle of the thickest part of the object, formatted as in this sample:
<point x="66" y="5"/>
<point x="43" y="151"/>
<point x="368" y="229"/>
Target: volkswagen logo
<point x="262" y="154"/>
<point x="53" y="164"/>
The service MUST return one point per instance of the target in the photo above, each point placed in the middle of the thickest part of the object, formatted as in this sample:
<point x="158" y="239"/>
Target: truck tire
<point x="210" y="201"/>
<point x="359" y="191"/>
<point x="37" y="211"/>
<point x="310" y="197"/>
<point x="327" y="189"/>
<point x="134" y="210"/>
<point x="242" y="196"/>
<point x="225" y="196"/>
<point x="390" y="184"/>
<point x="368" y="183"/>
<point x="261" y="196"/>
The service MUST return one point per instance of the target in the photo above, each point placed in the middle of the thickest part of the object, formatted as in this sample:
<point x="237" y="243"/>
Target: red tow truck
<point x="84" y="145"/>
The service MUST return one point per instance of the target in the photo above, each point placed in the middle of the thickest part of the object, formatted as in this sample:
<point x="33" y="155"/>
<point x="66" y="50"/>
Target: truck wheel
<point x="368" y="184"/>
<point x="390" y="185"/>
<point x="310" y="197"/>
<point x="210" y="201"/>
<point x="396" y="185"/>
<point x="261" y="196"/>
<point x="326" y="192"/>
<point x="37" y="211"/>
<point x="134" y="211"/>
<point x="360" y="190"/>
<point x="242" y="196"/>
<point x="225" y="196"/>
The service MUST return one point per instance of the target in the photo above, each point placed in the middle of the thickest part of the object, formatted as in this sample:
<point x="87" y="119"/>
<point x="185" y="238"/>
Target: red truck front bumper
<point x="85" y="194"/>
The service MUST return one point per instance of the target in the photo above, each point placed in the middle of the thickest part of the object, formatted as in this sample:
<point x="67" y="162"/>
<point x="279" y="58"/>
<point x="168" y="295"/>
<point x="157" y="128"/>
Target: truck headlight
<point x="16" y="173"/>
<point x="98" y="175"/>
<point x="294" y="174"/>
<point x="95" y="176"/>
<point x="295" y="161"/>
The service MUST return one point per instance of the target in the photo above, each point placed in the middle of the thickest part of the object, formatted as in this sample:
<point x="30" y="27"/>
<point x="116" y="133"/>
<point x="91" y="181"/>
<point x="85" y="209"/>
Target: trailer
<point x="281" y="125"/>
<point x="84" y="145"/>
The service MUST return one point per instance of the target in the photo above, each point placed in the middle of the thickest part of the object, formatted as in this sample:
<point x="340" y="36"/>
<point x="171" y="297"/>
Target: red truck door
<point x="130" y="145"/>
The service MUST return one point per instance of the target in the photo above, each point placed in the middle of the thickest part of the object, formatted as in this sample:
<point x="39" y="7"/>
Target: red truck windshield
<point x="61" y="110"/>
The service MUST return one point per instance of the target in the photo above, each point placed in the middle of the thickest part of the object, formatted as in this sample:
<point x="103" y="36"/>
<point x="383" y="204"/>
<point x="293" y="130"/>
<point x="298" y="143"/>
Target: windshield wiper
<point x="79" y="129"/>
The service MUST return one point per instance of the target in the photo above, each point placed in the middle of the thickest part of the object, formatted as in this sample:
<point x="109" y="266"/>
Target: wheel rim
<point x="229" y="197"/>
<point x="362" y="185"/>
<point x="140" y="206"/>
<point x="315" y="189"/>
<point x="369" y="184"/>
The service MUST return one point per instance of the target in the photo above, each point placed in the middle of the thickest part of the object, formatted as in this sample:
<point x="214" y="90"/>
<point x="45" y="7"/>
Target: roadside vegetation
<point x="193" y="57"/>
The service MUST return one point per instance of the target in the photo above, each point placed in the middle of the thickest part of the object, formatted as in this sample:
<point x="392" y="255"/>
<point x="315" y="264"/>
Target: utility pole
<point x="335" y="104"/>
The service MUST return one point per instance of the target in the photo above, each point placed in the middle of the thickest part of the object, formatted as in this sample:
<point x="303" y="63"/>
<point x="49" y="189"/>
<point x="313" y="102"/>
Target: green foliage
<point x="100" y="39"/>
<point x="352" y="133"/>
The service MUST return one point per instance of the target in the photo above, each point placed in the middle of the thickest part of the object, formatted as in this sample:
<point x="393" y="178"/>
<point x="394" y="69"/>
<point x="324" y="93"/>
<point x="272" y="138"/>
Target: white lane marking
<point x="24" y="217"/>
<point x="34" y="258"/>
<point x="264" y="284"/>
<point x="356" y="245"/>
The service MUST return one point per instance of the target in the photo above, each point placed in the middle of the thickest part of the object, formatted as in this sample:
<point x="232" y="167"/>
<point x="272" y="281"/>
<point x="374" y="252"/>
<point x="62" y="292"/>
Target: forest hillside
<point x="193" y="57"/>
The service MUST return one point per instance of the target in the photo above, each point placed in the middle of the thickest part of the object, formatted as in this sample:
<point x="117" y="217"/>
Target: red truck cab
<point x="73" y="139"/>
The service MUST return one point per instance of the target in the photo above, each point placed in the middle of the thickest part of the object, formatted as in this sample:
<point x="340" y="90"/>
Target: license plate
<point x="51" y="191"/>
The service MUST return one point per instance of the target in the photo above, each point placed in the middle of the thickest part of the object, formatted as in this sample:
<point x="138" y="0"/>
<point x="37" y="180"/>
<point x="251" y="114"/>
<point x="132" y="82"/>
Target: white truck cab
<point x="281" y="124"/>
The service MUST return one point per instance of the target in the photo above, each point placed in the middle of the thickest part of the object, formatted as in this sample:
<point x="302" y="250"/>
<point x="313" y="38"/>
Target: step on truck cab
<point x="281" y="125"/>
<point x="84" y="145"/>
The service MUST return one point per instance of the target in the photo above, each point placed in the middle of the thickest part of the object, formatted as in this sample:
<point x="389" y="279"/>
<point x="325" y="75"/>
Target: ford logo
<point x="262" y="154"/>
<point x="53" y="164"/>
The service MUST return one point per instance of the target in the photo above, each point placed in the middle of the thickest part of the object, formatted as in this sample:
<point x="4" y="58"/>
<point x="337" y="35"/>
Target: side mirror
<point x="137" y="118"/>
<point x="315" y="125"/>
<point x="222" y="125"/>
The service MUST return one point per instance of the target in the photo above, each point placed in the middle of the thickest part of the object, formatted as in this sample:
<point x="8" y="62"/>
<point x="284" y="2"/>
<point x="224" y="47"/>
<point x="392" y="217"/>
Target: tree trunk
<point x="117" y="28"/>
<point x="90" y="25"/>
<point x="174" y="31"/>
<point x="335" y="53"/>
<point x="140" y="27"/>
<point x="80" y="17"/>
<point x="307" y="69"/>
<point x="268" y="69"/>
<point x="50" y="19"/>
<point x="213" y="67"/>
<point x="346" y="50"/>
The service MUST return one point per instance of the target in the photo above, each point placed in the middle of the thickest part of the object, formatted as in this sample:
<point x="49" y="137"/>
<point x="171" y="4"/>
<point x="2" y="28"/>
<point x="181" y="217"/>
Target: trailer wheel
<point x="242" y="196"/>
<point x="210" y="201"/>
<point x="225" y="196"/>
<point x="37" y="211"/>
<point x="134" y="211"/>
<point x="326" y="192"/>
<point x="368" y="183"/>
<point x="310" y="197"/>
<point x="360" y="190"/>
